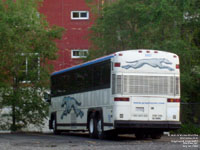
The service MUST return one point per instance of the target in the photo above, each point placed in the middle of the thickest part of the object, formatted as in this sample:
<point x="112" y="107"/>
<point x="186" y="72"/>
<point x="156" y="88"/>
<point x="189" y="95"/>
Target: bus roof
<point x="84" y="64"/>
<point x="101" y="59"/>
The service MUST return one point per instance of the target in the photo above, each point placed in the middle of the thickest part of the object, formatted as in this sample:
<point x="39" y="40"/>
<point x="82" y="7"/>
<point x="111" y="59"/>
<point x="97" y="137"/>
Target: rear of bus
<point x="146" y="92"/>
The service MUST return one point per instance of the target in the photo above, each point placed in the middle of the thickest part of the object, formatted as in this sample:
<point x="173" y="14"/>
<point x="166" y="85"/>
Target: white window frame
<point x="79" y="17"/>
<point x="78" y="50"/>
<point x="26" y="62"/>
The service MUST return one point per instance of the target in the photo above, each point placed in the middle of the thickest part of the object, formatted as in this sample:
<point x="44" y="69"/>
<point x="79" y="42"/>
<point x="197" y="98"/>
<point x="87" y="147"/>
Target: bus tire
<point x="156" y="135"/>
<point x="100" y="132"/>
<point x="92" y="126"/>
<point x="139" y="136"/>
<point x="113" y="134"/>
<point x="54" y="126"/>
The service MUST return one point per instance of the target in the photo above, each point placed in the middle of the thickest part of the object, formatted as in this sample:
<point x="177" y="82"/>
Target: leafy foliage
<point x="188" y="128"/>
<point x="26" y="47"/>
<point x="167" y="25"/>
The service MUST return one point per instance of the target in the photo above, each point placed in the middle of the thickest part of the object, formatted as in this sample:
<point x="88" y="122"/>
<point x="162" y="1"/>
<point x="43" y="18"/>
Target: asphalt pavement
<point x="81" y="141"/>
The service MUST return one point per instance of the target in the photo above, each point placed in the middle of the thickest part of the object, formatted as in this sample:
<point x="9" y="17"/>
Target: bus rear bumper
<point x="164" y="125"/>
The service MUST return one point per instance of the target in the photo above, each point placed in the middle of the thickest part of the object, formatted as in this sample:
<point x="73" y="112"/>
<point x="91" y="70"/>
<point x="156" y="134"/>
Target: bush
<point x="188" y="129"/>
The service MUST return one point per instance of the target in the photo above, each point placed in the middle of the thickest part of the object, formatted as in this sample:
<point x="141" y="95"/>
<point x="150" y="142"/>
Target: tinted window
<point x="93" y="77"/>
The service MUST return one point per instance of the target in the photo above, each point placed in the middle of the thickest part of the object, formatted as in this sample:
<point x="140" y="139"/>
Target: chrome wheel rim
<point x="91" y="125"/>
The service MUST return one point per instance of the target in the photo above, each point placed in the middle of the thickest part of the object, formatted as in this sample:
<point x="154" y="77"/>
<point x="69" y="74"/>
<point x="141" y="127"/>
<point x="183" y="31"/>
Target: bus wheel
<point x="140" y="136"/>
<point x="92" y="126"/>
<point x="100" y="132"/>
<point x="113" y="135"/>
<point x="156" y="135"/>
<point x="54" y="126"/>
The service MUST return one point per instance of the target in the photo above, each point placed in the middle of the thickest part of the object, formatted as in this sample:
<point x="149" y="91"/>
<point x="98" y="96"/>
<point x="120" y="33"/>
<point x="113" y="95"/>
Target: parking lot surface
<point x="81" y="141"/>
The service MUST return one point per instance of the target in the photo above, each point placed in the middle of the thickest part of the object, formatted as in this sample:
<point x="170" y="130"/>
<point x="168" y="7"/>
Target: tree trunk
<point x="13" y="126"/>
<point x="14" y="96"/>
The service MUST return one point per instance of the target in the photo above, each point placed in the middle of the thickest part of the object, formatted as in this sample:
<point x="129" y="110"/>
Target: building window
<point x="80" y="15"/>
<point x="30" y="67"/>
<point x="79" y="53"/>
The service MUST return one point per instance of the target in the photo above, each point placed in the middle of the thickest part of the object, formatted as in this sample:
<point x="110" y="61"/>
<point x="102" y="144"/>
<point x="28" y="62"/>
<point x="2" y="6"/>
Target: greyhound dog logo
<point x="154" y="62"/>
<point x="71" y="103"/>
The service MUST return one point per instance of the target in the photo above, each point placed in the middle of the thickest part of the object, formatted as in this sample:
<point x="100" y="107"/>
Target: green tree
<point x="168" y="25"/>
<point x="26" y="47"/>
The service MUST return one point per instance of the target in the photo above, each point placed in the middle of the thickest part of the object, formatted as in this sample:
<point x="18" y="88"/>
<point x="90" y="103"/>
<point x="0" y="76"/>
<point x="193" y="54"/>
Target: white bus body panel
<point x="92" y="99"/>
<point x="148" y="100"/>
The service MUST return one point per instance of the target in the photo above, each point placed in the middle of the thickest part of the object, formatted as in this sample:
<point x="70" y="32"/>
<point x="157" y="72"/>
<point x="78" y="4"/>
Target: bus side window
<point x="101" y="75"/>
<point x="106" y="72"/>
<point x="96" y="76"/>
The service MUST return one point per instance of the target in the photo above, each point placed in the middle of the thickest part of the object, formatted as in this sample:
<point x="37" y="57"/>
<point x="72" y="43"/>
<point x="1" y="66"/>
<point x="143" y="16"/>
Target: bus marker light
<point x="148" y="51"/>
<point x="120" y="54"/>
<point x="124" y="99"/>
<point x="173" y="100"/>
<point x="117" y="64"/>
<point x="177" y="66"/>
<point x="139" y="51"/>
<point x="155" y="51"/>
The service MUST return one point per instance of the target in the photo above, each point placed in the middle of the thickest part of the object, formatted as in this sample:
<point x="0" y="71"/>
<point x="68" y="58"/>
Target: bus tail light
<point x="177" y="66"/>
<point x="124" y="99"/>
<point x="117" y="65"/>
<point x="173" y="100"/>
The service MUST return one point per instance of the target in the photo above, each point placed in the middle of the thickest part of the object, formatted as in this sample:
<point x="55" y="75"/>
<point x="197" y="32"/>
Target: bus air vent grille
<point x="145" y="85"/>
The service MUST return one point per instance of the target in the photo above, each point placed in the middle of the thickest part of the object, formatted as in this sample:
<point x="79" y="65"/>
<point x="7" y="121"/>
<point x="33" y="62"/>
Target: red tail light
<point x="173" y="100"/>
<point x="117" y="64"/>
<point x="124" y="99"/>
<point x="177" y="66"/>
<point x="139" y="51"/>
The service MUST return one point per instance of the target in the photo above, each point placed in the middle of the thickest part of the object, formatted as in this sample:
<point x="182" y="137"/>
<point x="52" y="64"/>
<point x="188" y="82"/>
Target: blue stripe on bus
<point x="83" y="65"/>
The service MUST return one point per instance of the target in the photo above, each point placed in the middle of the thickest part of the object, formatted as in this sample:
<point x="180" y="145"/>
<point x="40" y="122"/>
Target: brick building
<point x="75" y="17"/>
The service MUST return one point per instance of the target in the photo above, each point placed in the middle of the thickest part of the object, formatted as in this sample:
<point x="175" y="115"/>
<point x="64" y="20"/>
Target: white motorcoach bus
<point x="133" y="91"/>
